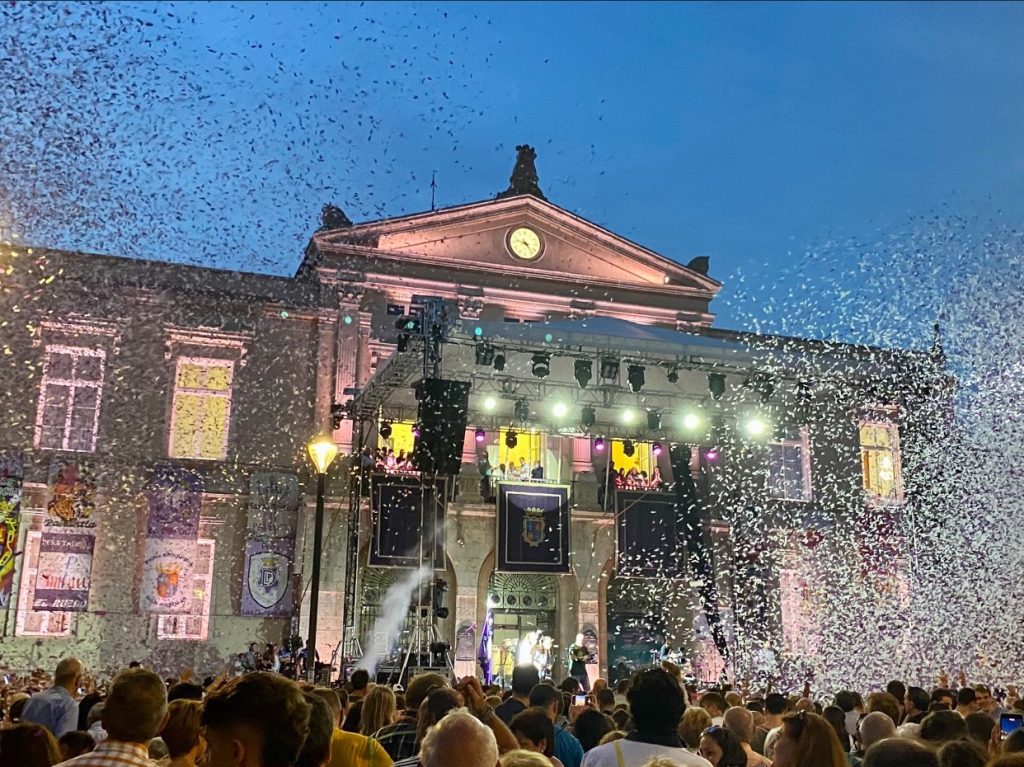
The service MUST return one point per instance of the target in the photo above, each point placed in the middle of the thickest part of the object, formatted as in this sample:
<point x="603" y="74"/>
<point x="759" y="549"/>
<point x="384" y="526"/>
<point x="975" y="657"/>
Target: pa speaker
<point x="443" y="409"/>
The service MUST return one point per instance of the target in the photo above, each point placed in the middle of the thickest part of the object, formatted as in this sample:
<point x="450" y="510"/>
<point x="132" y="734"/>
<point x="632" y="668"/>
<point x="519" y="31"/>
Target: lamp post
<point x="322" y="452"/>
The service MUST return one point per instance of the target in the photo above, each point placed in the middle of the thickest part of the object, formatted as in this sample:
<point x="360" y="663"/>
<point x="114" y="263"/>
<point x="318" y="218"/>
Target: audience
<point x="399" y="739"/>
<point x="693" y="724"/>
<point x="739" y="722"/>
<point x="182" y="733"/>
<point x="459" y="740"/>
<point x="900" y="752"/>
<point x="873" y="728"/>
<point x="28" y="745"/>
<point x="721" y="748"/>
<point x="567" y="748"/>
<point x="524" y="678"/>
<point x="378" y="710"/>
<point x="535" y="731"/>
<point x="590" y="726"/>
<point x="961" y="753"/>
<point x="316" y="748"/>
<point x="75" y="743"/>
<point x="56" y="708"/>
<point x="349" y="749"/>
<point x="807" y="740"/>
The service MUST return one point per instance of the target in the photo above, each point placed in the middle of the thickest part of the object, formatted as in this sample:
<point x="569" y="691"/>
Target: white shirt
<point x="769" y="742"/>
<point x="634" y="754"/>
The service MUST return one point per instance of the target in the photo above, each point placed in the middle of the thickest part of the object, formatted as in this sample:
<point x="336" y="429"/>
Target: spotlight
<point x="755" y="426"/>
<point x="416" y="431"/>
<point x="587" y="416"/>
<point x="673" y="374"/>
<point x="511" y="439"/>
<point x="628" y="448"/>
<point x="653" y="420"/>
<point x="484" y="354"/>
<point x="522" y="410"/>
<point x="711" y="455"/>
<point x="490" y="403"/>
<point x="541" y="365"/>
<point x="559" y="409"/>
<point x="656" y="448"/>
<point x="481" y="435"/>
<point x="384" y="430"/>
<point x="499" y="361"/>
<point x="599" y="444"/>
<point x="716" y="385"/>
<point x="609" y="368"/>
<point x="628" y="415"/>
<point x="635" y="376"/>
<point x="691" y="421"/>
<point x="584" y="371"/>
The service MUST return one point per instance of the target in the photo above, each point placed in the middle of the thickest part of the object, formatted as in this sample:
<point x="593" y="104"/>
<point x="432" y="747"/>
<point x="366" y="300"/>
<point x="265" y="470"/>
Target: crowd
<point x="654" y="719"/>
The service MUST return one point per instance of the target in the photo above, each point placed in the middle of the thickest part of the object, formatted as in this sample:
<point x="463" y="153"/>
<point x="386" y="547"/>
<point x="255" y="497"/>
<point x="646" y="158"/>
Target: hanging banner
<point x="651" y="535"/>
<point x="267" y="592"/>
<point x="175" y="501"/>
<point x="533" y="528"/>
<point x="273" y="505"/>
<point x="11" y="476"/>
<point x="406" y="516"/>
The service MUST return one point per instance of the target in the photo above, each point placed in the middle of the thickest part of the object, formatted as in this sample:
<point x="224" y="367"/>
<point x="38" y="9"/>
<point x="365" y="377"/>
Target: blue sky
<point x="782" y="140"/>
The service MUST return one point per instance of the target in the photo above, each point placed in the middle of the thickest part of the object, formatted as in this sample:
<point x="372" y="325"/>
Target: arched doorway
<point x="522" y="605"/>
<point x="640" y="613"/>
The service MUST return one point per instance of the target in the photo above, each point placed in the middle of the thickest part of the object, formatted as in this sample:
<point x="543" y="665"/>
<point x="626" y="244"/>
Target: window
<point x="202" y="408"/>
<point x="401" y="439"/>
<point x="396" y="310"/>
<point x="69" y="399"/>
<point x="196" y="624"/>
<point x="640" y="460"/>
<point x="789" y="466"/>
<point x="28" y="622"/>
<point x="529" y="449"/>
<point x="880" y="461"/>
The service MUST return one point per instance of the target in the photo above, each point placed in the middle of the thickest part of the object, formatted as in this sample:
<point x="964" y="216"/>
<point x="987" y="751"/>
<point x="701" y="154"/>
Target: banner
<point x="267" y="592"/>
<point x="175" y="501"/>
<point x="401" y="509"/>
<point x="273" y="505"/>
<point x="533" y="528"/>
<point x="651" y="535"/>
<point x="64" y="572"/>
<point x="11" y="475"/>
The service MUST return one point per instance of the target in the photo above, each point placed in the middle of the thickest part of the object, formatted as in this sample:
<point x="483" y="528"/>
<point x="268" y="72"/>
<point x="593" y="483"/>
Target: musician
<point x="665" y="651"/>
<point x="579" y="656"/>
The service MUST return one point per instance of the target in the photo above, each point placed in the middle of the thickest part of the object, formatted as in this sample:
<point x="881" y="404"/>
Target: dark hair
<point x="316" y="748"/>
<point x="979" y="727"/>
<point x="655" y="701"/>
<point x="846" y="700"/>
<point x="757" y="706"/>
<point x="75" y="743"/>
<point x="360" y="679"/>
<point x="885" y="703"/>
<point x="897" y="689"/>
<point x="590" y="727"/>
<point x="733" y="754"/>
<point x="965" y="696"/>
<point x="941" y="692"/>
<point x="543" y="694"/>
<point x="715" y="699"/>
<point x="84" y="706"/>
<point x="943" y="726"/>
<point x="571" y="685"/>
<point x="899" y="752"/>
<point x="439" y="701"/>
<point x="354" y="717"/>
<point x="775" y="703"/>
<point x="524" y="679"/>
<point x="28" y="745"/>
<point x="605" y="698"/>
<point x="185" y="691"/>
<point x="836" y="717"/>
<point x="535" y="725"/>
<point x="961" y="753"/>
<point x="918" y="698"/>
<point x="1014" y="742"/>
<point x="270" y="705"/>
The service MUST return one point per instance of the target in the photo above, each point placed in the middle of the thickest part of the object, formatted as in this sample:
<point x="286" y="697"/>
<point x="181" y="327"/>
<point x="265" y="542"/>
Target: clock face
<point x="524" y="243"/>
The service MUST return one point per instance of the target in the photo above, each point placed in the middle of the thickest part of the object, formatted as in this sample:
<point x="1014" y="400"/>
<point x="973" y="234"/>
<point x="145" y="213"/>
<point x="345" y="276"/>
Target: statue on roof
<point x="333" y="217"/>
<point x="524" y="178"/>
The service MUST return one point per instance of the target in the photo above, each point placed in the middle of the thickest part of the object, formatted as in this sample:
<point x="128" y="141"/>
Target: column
<point x="465" y="613"/>
<point x="326" y="368"/>
<point x="349" y="343"/>
<point x="588" y="616"/>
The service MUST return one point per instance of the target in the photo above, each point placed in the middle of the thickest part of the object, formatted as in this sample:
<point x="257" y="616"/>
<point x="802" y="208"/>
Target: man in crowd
<point x="944" y="696"/>
<point x="399" y="739"/>
<point x="316" y="748"/>
<point x="774" y="707"/>
<point x="524" y="678"/>
<point x="459" y="740"/>
<point x="133" y="713"/>
<point x="256" y="720"/>
<point x="714" y="704"/>
<point x="874" y="728"/>
<point x="740" y="722"/>
<point x="567" y="748"/>
<point x="56" y="708"/>
<point x="966" y="701"/>
<point x="350" y="749"/>
<point x="360" y="682"/>
<point x="897" y="752"/>
<point x="985" y="702"/>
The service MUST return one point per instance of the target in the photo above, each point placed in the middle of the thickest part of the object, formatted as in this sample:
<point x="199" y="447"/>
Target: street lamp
<point x="322" y="452"/>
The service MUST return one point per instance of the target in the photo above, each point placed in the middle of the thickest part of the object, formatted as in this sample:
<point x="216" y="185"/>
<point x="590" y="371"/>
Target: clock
<point x="522" y="242"/>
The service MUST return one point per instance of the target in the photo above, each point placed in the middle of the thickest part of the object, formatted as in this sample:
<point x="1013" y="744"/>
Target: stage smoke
<point x="394" y="607"/>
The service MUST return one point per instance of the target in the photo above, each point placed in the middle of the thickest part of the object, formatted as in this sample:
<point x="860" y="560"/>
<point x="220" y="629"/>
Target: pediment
<point x="475" y="237"/>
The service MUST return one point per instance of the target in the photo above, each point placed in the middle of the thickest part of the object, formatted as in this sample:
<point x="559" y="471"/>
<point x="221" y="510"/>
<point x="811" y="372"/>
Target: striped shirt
<point x="113" y="753"/>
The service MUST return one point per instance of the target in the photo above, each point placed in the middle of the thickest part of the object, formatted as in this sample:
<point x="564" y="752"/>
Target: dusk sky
<point x="748" y="133"/>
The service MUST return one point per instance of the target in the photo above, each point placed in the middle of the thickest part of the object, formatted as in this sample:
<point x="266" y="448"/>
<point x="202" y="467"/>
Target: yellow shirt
<point x="349" y="749"/>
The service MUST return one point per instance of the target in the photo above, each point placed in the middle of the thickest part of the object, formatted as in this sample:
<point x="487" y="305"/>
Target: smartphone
<point x="581" y="700"/>
<point x="1009" y="723"/>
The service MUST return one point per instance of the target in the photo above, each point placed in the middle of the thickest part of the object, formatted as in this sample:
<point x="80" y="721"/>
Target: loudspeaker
<point x="442" y="413"/>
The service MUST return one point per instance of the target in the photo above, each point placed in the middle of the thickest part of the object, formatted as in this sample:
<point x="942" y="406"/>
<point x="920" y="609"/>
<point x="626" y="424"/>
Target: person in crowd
<point x="524" y="678"/>
<point x="534" y="731"/>
<point x="133" y="714"/>
<point x="378" y="710"/>
<point x="257" y="720"/>
<point x="184" y="691"/>
<point x="835" y="717"/>
<point x="898" y="690"/>
<point x="523" y="470"/>
<point x="941" y="727"/>
<point x="979" y="727"/>
<point x="438" y="703"/>
<point x="56" y="708"/>
<point x="984" y="701"/>
<point x="962" y="753"/>
<point x="657" y="706"/>
<point x="852" y="706"/>
<point x="459" y="740"/>
<point x="349" y="749"/>
<point x="75" y="743"/>
<point x="657" y="481"/>
<point x="1013" y="744"/>
<point x="739" y="722"/>
<point x="604" y="699"/>
<point x="85" y="706"/>
<point x="714" y="704"/>
<point x="354" y="716"/>
<point x="915" y="709"/>
<point x="874" y="727"/>
<point x="28" y="745"/>
<point x="182" y="733"/>
<point x="590" y="726"/>
<point x="567" y="750"/>
<point x="399" y="739"/>
<point x="693" y="724"/>
<point x="900" y="752"/>
<point x="807" y="740"/>
<point x="944" y="696"/>
<point x="774" y="708"/>
<point x="520" y="757"/>
<point x="886" y="704"/>
<point x="721" y="748"/>
<point x="966" y="701"/>
<point x="538" y="471"/>
<point x="95" y="723"/>
<point x="316" y="748"/>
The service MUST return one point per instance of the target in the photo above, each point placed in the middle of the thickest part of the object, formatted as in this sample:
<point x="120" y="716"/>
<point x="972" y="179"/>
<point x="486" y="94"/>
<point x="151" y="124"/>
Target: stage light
<point x="384" y="430"/>
<point x="609" y="368"/>
<point x="628" y="448"/>
<point x="484" y="354"/>
<point x="511" y="439"/>
<point x="711" y="455"/>
<point x="541" y="365"/>
<point x="628" y="415"/>
<point x="478" y="331"/>
<point x="653" y="420"/>
<point x="499" y="361"/>
<point x="716" y="385"/>
<point x="416" y="431"/>
<point x="656" y="449"/>
<point x="584" y="371"/>
<point x="587" y="416"/>
<point x="548" y="338"/>
<point x="599" y="444"/>
<point x="490" y="403"/>
<point x="673" y="374"/>
<point x="691" y="421"/>
<point x="522" y="410"/>
<point x="635" y="376"/>
<point x="559" y="409"/>
<point x="755" y="426"/>
<point x="481" y="435"/>
<point x="347" y="319"/>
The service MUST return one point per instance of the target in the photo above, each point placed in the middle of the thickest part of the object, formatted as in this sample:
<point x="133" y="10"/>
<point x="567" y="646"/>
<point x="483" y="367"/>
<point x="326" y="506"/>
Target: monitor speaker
<point x="443" y="410"/>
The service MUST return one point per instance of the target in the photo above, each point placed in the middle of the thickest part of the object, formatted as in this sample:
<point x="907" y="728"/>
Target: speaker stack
<point x="443" y="410"/>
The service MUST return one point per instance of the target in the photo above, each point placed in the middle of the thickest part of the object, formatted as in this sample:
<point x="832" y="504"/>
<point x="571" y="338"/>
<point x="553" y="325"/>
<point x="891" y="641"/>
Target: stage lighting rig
<point x="338" y="413"/>
<point x="635" y="377"/>
<point x="511" y="439"/>
<point x="584" y="371"/>
<point x="653" y="420"/>
<point x="522" y="410"/>
<point x="588" y="417"/>
<point x="484" y="354"/>
<point x="541" y="365"/>
<point x="673" y="374"/>
<point x="599" y="444"/>
<point x="656" y="449"/>
<point x="609" y="368"/>
<point x="716" y="385"/>
<point x="384" y="430"/>
<point x="480" y="435"/>
<point x="628" y="448"/>
<point x="499" y="361"/>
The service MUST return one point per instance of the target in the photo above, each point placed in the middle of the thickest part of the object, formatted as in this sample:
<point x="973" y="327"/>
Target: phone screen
<point x="1009" y="723"/>
<point x="579" y="700"/>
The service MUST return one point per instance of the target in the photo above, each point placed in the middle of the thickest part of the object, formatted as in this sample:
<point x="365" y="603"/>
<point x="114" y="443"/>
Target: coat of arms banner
<point x="651" y="535"/>
<point x="533" y="528"/>
<point x="175" y="500"/>
<point x="267" y="591"/>
<point x="407" y="516"/>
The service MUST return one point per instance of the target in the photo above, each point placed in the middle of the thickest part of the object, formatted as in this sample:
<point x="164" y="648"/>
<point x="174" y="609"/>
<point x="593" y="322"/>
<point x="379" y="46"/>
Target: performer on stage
<point x="579" y="656"/>
<point x="665" y="651"/>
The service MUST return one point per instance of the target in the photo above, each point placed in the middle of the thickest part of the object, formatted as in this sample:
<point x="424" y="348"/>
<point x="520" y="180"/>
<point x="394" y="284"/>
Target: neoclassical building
<point x="583" y="353"/>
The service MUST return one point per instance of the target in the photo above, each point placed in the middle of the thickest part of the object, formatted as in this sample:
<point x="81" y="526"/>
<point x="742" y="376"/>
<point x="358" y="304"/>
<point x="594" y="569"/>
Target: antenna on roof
<point x="433" y="188"/>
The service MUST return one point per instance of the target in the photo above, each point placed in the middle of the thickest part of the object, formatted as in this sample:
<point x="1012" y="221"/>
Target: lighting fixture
<point x="609" y="368"/>
<point x="587" y="416"/>
<point x="584" y="371"/>
<point x="499" y="361"/>
<point x="716" y="385"/>
<point x="522" y="410"/>
<point x="755" y="426"/>
<point x="484" y="354"/>
<point x="481" y="435"/>
<point x="635" y="377"/>
<point x="653" y="420"/>
<point x="673" y="374"/>
<point x="628" y="415"/>
<point x="490" y="403"/>
<point x="691" y="421"/>
<point x="559" y="409"/>
<point x="384" y="430"/>
<point x="416" y="431"/>
<point x="599" y="444"/>
<point x="711" y="455"/>
<point x="322" y="451"/>
<point x="511" y="439"/>
<point x="541" y="365"/>
<point x="628" y="448"/>
<point x="656" y="448"/>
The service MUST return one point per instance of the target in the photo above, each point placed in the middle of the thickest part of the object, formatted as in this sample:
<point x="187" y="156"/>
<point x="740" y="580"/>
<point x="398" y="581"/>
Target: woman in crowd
<point x="590" y="726"/>
<point x="807" y="740"/>
<point x="535" y="732"/>
<point x="693" y="724"/>
<point x="378" y="710"/>
<point x="182" y="733"/>
<point x="657" y="481"/>
<point x="28" y="745"/>
<point x="719" y="747"/>
<point x="836" y="717"/>
<point x="75" y="743"/>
